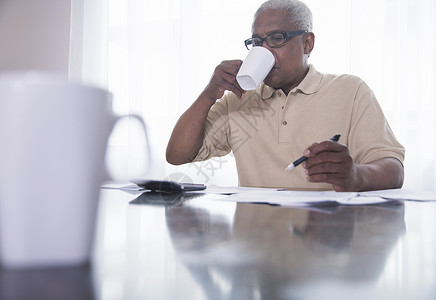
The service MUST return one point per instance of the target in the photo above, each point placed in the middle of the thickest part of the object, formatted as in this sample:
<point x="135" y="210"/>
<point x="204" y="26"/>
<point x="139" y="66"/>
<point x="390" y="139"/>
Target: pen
<point x="304" y="158"/>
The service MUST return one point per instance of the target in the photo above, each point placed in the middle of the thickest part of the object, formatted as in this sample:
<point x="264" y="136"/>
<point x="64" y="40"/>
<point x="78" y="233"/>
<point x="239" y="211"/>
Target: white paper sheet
<point x="304" y="198"/>
<point x="401" y="194"/>
<point x="229" y="190"/>
<point x="126" y="187"/>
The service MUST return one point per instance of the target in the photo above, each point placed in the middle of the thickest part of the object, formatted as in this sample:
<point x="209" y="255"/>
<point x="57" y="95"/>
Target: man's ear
<point x="309" y="42"/>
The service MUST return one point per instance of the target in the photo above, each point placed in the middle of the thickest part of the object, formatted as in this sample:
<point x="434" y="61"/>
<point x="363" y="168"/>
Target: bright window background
<point x="157" y="56"/>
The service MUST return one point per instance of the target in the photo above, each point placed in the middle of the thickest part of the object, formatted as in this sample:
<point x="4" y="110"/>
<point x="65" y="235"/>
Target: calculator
<point x="168" y="185"/>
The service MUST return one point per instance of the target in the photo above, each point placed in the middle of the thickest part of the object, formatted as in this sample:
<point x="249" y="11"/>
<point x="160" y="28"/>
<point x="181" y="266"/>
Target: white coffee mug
<point x="255" y="68"/>
<point x="53" y="138"/>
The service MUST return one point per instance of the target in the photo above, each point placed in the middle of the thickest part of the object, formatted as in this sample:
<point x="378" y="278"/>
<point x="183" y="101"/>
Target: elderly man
<point x="294" y="107"/>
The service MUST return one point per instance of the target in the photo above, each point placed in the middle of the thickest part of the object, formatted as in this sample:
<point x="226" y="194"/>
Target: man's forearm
<point x="385" y="173"/>
<point x="187" y="136"/>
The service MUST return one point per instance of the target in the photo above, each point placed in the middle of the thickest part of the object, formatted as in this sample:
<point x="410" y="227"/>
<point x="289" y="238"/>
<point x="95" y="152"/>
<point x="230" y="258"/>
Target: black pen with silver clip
<point x="304" y="158"/>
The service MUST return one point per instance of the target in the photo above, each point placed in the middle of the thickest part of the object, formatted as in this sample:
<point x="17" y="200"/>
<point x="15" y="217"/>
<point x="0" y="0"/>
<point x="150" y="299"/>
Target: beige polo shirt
<point x="268" y="130"/>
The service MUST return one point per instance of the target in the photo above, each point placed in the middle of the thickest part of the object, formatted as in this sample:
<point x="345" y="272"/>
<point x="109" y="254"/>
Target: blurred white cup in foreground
<point x="255" y="68"/>
<point x="53" y="135"/>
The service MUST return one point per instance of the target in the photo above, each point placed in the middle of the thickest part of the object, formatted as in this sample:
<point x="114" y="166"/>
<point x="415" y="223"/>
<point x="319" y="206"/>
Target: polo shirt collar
<point x="309" y="85"/>
<point x="266" y="92"/>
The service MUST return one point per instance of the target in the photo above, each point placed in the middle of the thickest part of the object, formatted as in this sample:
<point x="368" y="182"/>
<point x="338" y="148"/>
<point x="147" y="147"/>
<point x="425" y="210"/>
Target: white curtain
<point x="157" y="56"/>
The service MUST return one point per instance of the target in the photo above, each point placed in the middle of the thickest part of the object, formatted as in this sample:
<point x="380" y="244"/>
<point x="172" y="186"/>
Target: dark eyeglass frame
<point x="286" y="35"/>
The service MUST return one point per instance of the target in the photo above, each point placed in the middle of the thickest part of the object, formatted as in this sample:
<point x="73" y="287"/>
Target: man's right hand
<point x="224" y="78"/>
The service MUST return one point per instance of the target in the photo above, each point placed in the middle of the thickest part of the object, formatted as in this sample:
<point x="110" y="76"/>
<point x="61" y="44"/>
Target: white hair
<point x="299" y="13"/>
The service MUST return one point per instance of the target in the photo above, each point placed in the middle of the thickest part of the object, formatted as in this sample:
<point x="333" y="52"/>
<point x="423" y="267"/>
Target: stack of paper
<point x="283" y="197"/>
<point x="318" y="198"/>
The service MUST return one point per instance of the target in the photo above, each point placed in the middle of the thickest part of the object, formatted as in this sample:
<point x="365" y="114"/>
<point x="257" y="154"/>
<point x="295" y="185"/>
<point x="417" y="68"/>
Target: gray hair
<point x="299" y="13"/>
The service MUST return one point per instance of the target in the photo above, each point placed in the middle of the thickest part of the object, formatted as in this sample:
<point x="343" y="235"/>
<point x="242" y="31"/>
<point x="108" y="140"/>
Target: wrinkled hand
<point x="332" y="163"/>
<point x="224" y="78"/>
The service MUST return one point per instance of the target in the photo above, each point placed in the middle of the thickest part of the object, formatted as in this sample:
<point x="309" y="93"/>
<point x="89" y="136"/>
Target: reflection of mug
<point x="53" y="137"/>
<point x="255" y="68"/>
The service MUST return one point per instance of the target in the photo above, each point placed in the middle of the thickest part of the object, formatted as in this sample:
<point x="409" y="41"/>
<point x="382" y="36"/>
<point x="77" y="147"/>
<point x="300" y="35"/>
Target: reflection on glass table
<point x="270" y="251"/>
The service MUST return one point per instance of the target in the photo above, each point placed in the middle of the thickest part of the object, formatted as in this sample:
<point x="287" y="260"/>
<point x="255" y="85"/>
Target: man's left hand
<point x="332" y="163"/>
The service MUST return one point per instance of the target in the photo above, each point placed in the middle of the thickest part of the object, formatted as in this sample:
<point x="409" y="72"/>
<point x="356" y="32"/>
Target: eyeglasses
<point x="273" y="40"/>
